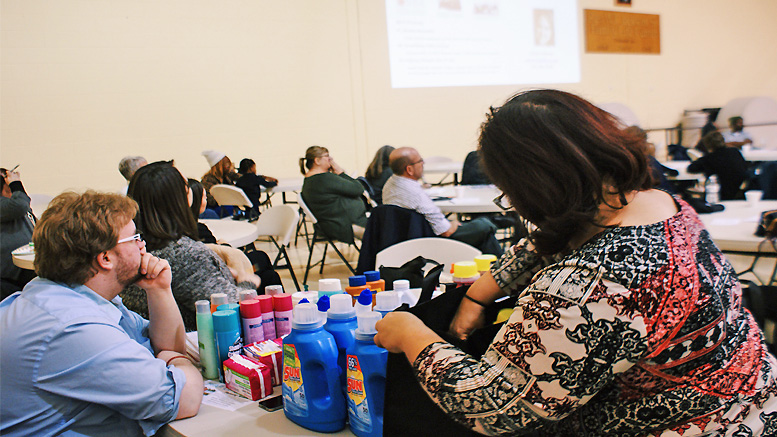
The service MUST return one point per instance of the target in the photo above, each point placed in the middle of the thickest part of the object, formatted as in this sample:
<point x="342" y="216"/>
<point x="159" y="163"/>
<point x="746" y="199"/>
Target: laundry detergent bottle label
<point x="293" y="387"/>
<point x="357" y="396"/>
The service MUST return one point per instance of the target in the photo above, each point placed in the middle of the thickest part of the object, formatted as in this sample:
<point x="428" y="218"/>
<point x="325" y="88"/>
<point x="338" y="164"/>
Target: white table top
<point x="466" y="198"/>
<point x="287" y="184"/>
<point x="237" y="233"/>
<point x="249" y="420"/>
<point x="733" y="229"/>
<point x="443" y="166"/>
<point x="753" y="155"/>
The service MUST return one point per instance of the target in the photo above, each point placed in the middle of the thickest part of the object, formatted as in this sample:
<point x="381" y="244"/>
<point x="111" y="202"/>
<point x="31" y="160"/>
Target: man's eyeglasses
<point x="502" y="202"/>
<point x="420" y="161"/>
<point x="137" y="237"/>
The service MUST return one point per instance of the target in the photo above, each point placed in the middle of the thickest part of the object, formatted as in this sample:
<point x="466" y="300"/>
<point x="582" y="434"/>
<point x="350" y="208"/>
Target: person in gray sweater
<point x="170" y="232"/>
<point x="16" y="223"/>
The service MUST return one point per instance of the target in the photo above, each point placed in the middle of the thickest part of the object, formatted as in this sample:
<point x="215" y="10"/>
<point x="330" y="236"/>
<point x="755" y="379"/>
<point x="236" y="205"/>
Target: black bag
<point x="413" y="271"/>
<point x="767" y="226"/>
<point x="408" y="409"/>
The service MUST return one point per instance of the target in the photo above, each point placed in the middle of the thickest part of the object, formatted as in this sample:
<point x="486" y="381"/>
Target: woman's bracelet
<point x="468" y="297"/>
<point x="175" y="357"/>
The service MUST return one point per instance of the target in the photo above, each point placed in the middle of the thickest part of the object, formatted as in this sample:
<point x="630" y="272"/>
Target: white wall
<point x="85" y="82"/>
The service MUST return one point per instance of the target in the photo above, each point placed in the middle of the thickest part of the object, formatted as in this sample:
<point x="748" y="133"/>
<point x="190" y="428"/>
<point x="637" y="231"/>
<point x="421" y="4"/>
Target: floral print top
<point x="638" y="332"/>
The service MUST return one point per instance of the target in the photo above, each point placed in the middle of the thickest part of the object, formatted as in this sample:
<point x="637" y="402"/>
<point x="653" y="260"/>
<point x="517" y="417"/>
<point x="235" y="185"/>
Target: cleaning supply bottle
<point x="206" y="340"/>
<point x="341" y="323"/>
<point x="465" y="273"/>
<point x="226" y="325"/>
<point x="355" y="285"/>
<point x="251" y="316"/>
<point x="366" y="379"/>
<point x="329" y="287"/>
<point x="364" y="302"/>
<point x="483" y="263"/>
<point x="323" y="305"/>
<point x="312" y="397"/>
<point x="400" y="285"/>
<point x="217" y="299"/>
<point x="387" y="302"/>
<point x="374" y="282"/>
<point x="281" y="304"/>
<point x="268" y="317"/>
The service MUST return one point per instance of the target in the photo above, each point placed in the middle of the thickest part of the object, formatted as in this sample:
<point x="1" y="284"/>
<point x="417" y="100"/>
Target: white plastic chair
<point x="280" y="224"/>
<point x="694" y="154"/>
<point x="318" y="237"/>
<point x="230" y="195"/>
<point x="443" y="250"/>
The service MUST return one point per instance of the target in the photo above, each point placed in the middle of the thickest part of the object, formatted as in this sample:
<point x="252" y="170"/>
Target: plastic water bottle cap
<point x="401" y="284"/>
<point x="323" y="303"/>
<point x="306" y="316"/>
<point x="366" y="323"/>
<point x="341" y="307"/>
<point x="372" y="275"/>
<point x="465" y="269"/>
<point x="357" y="281"/>
<point x="365" y="298"/>
<point x="330" y="284"/>
<point x="202" y="306"/>
<point x="387" y="301"/>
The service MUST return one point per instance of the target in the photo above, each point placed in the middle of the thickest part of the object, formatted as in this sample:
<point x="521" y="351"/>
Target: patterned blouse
<point x="638" y="332"/>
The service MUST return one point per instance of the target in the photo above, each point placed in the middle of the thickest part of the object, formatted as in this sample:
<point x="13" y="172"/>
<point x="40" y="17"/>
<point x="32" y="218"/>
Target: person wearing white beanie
<point x="222" y="171"/>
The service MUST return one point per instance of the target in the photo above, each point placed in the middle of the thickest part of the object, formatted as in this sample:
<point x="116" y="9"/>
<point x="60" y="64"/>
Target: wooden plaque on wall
<point x="621" y="32"/>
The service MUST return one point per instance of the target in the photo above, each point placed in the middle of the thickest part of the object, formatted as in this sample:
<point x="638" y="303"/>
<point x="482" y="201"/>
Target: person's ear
<point x="105" y="260"/>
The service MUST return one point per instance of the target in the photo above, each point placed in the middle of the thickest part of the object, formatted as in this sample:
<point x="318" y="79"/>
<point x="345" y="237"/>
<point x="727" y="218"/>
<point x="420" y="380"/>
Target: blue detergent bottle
<point x="341" y="323"/>
<point x="366" y="379"/>
<point x="312" y="397"/>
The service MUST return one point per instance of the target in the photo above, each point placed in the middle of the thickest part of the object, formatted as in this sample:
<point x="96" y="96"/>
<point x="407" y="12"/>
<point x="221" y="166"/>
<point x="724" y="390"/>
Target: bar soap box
<point x="247" y="377"/>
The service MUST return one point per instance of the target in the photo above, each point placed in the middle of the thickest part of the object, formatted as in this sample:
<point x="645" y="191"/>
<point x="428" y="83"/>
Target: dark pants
<point x="263" y="269"/>
<point x="479" y="233"/>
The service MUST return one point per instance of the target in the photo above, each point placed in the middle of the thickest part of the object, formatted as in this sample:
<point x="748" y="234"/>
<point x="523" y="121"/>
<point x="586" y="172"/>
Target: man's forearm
<point x="166" y="330"/>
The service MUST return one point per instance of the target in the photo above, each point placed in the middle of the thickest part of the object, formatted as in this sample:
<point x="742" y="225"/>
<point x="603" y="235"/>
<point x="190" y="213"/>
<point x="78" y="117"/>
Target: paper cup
<point x="753" y="197"/>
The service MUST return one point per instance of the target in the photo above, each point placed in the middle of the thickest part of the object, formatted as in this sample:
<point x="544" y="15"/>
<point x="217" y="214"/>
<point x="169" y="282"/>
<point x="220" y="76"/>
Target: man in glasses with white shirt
<point x="75" y="360"/>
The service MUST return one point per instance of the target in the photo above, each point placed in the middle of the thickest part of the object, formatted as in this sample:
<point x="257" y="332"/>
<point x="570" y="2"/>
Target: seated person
<point x="259" y="261"/>
<point x="472" y="171"/>
<point x="737" y="137"/>
<point x="657" y="170"/>
<point x="170" y="231"/>
<point x="222" y="171"/>
<point x="128" y="166"/>
<point x="334" y="197"/>
<point x="378" y="172"/>
<point x="725" y="162"/>
<point x="16" y="224"/>
<point x="403" y="189"/>
<point x="75" y="360"/>
<point x="252" y="183"/>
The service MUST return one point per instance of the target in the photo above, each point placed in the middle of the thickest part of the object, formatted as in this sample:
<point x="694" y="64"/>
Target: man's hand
<point x="454" y="225"/>
<point x="155" y="273"/>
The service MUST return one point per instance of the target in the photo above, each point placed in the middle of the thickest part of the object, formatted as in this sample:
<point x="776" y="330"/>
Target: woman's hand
<point x="469" y="316"/>
<point x="401" y="331"/>
<point x="335" y="167"/>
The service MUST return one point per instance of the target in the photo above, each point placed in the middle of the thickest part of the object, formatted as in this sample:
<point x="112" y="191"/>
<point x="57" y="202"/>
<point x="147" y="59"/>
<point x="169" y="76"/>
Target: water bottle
<point x="312" y="397"/>
<point x="366" y="379"/>
<point x="712" y="190"/>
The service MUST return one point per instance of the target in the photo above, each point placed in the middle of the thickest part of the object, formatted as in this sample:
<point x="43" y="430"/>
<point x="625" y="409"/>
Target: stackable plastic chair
<point x="443" y="250"/>
<point x="230" y="195"/>
<point x="279" y="223"/>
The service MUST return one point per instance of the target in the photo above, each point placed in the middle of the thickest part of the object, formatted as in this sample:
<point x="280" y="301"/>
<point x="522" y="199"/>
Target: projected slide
<point x="434" y="43"/>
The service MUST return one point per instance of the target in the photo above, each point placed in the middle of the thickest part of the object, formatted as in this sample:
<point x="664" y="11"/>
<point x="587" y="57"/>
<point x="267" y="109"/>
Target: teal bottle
<point x="226" y="326"/>
<point x="207" y="340"/>
<point x="366" y="379"/>
<point x="341" y="323"/>
<point x="312" y="397"/>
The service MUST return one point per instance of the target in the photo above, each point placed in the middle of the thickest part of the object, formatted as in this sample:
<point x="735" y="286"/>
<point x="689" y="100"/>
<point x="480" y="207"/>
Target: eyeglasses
<point x="137" y="237"/>
<point x="502" y="202"/>
<point x="420" y="161"/>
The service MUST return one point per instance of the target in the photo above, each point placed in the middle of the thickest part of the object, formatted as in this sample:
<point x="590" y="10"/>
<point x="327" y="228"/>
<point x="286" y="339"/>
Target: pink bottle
<point x="282" y="306"/>
<point x="268" y="317"/>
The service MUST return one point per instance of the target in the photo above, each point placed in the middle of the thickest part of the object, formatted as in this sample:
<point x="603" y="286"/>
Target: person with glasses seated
<point x="170" y="230"/>
<point x="75" y="360"/>
<point x="332" y="196"/>
<point x="404" y="189"/>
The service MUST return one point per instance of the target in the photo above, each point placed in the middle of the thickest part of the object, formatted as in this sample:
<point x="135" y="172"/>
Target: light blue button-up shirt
<point x="74" y="363"/>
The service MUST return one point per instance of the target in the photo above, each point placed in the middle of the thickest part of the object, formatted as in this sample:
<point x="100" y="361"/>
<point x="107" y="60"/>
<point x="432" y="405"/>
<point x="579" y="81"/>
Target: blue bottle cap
<point x="225" y="320"/>
<point x="357" y="281"/>
<point x="372" y="275"/>
<point x="323" y="303"/>
<point x="365" y="298"/>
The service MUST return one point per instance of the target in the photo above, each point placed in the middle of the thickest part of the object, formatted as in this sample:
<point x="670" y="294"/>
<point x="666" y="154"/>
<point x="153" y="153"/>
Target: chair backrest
<point x="305" y="209"/>
<point x="443" y="250"/>
<point x="230" y="195"/>
<point x="694" y="154"/>
<point x="279" y="222"/>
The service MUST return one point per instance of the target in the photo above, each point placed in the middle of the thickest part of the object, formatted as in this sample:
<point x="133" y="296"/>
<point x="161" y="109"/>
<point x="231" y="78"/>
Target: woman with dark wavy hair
<point x="628" y="318"/>
<point x="170" y="230"/>
<point x="378" y="172"/>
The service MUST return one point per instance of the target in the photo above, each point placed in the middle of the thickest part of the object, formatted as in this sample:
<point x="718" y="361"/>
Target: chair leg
<point x="291" y="269"/>
<point x="347" y="264"/>
<point x="310" y="257"/>
<point x="323" y="258"/>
